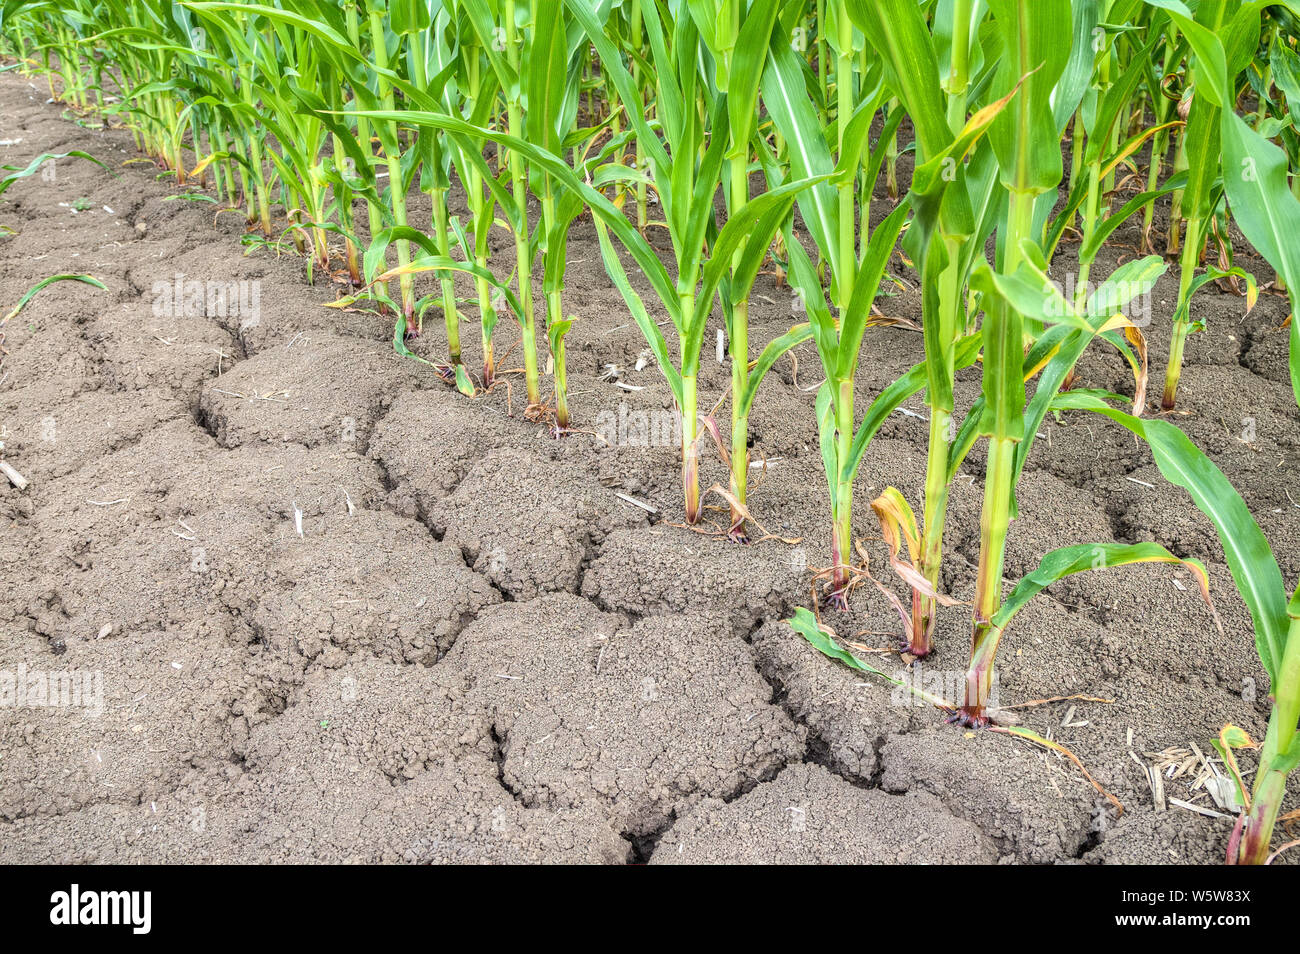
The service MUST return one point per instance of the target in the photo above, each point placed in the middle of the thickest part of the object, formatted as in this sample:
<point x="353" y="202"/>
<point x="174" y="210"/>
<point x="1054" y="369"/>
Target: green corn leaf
<point x="1113" y="101"/>
<point x="409" y="16"/>
<point x="751" y="229"/>
<point x="1077" y="77"/>
<point x="889" y="400"/>
<point x="1264" y="208"/>
<point x="440" y="264"/>
<point x="755" y="36"/>
<point x="1058" y="564"/>
<point x="897" y="30"/>
<point x="648" y="326"/>
<point x="1212" y="64"/>
<point x="803" y="278"/>
<point x="880" y="248"/>
<point x="1250" y="560"/>
<point x="1024" y="135"/>
<point x="15" y="173"/>
<point x="546" y="77"/>
<point x="46" y="283"/>
<point x="1130" y="281"/>
<point x="556" y="331"/>
<point x="787" y="101"/>
<point x="805" y="624"/>
<point x="768" y="357"/>
<point x="826" y="438"/>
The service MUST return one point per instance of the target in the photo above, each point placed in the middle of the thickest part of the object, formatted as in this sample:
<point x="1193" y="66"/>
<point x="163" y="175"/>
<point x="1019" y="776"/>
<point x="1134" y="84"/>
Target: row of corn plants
<point x="755" y="132"/>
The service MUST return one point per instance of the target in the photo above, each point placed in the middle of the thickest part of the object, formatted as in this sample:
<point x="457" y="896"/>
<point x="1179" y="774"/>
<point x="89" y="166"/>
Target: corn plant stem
<point x="995" y="518"/>
<point x="451" y="315"/>
<point x="1078" y="143"/>
<point x="519" y="190"/>
<point x="175" y="160"/>
<point x="1176" y="200"/>
<point x="255" y="159"/>
<point x="438" y="199"/>
<point x="842" y="531"/>
<point x="481" y="224"/>
<point x="999" y="483"/>
<point x="959" y="74"/>
<point x="739" y="347"/>
<point x="486" y="310"/>
<point x="924" y="608"/>
<point x="317" y="211"/>
<point x="561" y="384"/>
<point x="554" y="314"/>
<point x="196" y="138"/>
<point x="224" y="180"/>
<point x="1112" y="146"/>
<point x="690" y="449"/>
<point x="1182" y="315"/>
<point x="68" y="66"/>
<point x="1266" y="801"/>
<point x="1091" y="212"/>
<point x="373" y="215"/>
<point x="739" y="416"/>
<point x="937" y="476"/>
<point x="346" y="221"/>
<point x="393" y="160"/>
<point x="1158" y="146"/>
<point x="1270" y="779"/>
<point x="891" y="157"/>
<point x="259" y="186"/>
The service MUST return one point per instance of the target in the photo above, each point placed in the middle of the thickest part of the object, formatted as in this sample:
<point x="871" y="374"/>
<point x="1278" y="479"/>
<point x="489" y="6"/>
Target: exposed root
<point x="837" y="595"/>
<point x="735" y="507"/>
<point x="968" y="720"/>
<point x="737" y="533"/>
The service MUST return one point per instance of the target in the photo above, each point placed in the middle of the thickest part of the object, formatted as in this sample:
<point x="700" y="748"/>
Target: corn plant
<point x="839" y="345"/>
<point x="956" y="204"/>
<point x="43" y="284"/>
<point x="828" y="209"/>
<point x="479" y="94"/>
<point x="495" y="24"/>
<point x="684" y="160"/>
<point x="1201" y="147"/>
<point x="1265" y="207"/>
<point x="737" y="35"/>
<point x="1259" y="582"/>
<point x="17" y="173"/>
<point x="1100" y="156"/>
<point x="892" y="27"/>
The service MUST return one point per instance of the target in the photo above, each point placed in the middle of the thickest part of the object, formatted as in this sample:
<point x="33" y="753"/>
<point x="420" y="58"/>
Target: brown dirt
<point x="475" y="651"/>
